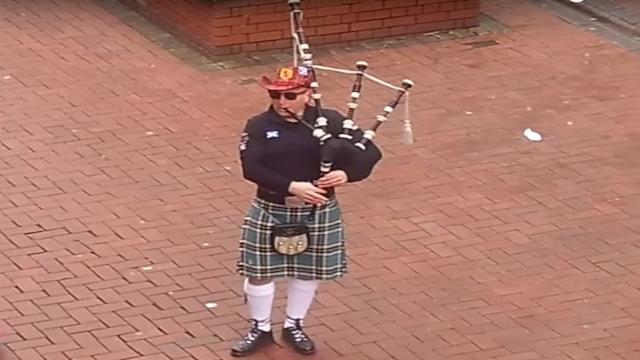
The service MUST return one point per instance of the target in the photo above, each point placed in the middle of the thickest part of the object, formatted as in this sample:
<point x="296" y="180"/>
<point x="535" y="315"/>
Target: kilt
<point x="324" y="259"/>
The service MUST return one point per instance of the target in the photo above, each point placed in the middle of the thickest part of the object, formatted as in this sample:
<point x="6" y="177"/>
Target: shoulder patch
<point x="244" y="139"/>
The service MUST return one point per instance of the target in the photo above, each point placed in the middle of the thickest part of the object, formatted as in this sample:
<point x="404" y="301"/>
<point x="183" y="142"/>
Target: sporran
<point x="291" y="238"/>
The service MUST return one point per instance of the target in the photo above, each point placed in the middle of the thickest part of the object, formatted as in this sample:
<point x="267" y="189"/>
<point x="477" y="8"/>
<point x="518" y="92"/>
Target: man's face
<point x="294" y="100"/>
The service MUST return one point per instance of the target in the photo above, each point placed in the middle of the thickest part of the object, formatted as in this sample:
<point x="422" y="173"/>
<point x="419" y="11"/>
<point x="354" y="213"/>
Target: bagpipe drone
<point x="331" y="146"/>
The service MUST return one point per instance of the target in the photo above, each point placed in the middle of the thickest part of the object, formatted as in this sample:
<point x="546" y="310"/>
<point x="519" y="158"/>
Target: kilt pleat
<point x="325" y="258"/>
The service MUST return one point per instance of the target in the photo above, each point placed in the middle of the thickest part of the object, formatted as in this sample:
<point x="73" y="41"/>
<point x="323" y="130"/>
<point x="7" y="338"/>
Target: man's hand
<point x="308" y="192"/>
<point x="333" y="179"/>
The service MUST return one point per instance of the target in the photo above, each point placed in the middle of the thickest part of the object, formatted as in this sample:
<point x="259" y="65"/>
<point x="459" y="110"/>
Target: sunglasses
<point x="275" y="94"/>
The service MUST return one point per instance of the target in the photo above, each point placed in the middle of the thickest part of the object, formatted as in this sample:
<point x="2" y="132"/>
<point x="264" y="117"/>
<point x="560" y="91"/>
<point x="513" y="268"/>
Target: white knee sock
<point x="300" y="295"/>
<point x="260" y="300"/>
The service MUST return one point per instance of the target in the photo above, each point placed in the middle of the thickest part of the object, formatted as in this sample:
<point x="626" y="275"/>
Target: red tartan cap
<point x="288" y="78"/>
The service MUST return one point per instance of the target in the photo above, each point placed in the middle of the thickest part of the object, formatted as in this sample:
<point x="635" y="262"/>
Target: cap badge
<point x="286" y="74"/>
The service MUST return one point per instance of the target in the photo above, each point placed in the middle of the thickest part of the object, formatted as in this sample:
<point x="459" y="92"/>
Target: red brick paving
<point x="121" y="197"/>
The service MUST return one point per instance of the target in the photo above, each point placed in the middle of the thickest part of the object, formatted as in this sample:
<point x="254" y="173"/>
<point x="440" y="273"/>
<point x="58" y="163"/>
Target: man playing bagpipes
<point x="297" y="153"/>
<point x="293" y="228"/>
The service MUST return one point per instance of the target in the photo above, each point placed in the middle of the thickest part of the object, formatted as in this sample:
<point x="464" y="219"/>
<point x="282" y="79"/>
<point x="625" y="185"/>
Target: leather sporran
<point x="290" y="239"/>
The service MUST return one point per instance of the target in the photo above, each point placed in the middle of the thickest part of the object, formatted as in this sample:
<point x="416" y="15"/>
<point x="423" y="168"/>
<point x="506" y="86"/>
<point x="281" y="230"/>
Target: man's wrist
<point x="291" y="186"/>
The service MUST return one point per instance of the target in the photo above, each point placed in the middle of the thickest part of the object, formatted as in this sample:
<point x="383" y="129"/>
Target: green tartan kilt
<point x="325" y="258"/>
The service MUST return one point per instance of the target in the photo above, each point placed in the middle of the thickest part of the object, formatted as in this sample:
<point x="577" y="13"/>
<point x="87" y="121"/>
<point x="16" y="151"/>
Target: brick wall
<point x="238" y="26"/>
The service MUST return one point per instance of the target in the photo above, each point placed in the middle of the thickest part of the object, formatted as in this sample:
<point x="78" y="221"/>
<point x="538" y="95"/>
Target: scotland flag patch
<point x="272" y="134"/>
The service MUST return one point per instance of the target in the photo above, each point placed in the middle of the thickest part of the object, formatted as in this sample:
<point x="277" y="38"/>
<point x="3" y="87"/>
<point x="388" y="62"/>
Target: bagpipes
<point x="332" y="146"/>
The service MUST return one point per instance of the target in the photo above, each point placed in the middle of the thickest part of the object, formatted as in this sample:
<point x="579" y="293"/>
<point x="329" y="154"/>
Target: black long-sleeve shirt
<point x="274" y="152"/>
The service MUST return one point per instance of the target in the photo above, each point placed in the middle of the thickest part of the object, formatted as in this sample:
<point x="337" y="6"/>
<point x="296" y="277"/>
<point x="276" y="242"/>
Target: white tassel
<point x="407" y="132"/>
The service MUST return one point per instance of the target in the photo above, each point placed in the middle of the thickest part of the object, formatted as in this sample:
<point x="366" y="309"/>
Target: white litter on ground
<point x="211" y="305"/>
<point x="532" y="135"/>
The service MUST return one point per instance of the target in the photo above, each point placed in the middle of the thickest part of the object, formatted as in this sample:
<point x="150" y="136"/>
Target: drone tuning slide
<point x="348" y="124"/>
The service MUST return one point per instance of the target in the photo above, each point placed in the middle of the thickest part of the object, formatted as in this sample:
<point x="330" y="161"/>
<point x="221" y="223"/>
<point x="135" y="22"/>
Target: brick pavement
<point x="121" y="197"/>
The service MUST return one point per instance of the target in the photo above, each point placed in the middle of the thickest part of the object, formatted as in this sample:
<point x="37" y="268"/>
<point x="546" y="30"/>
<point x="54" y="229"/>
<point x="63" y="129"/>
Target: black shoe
<point x="298" y="339"/>
<point x="253" y="341"/>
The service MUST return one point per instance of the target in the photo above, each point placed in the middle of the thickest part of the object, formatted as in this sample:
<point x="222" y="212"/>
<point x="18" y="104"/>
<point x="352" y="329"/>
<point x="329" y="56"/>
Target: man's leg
<point x="260" y="294"/>
<point x="300" y="296"/>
